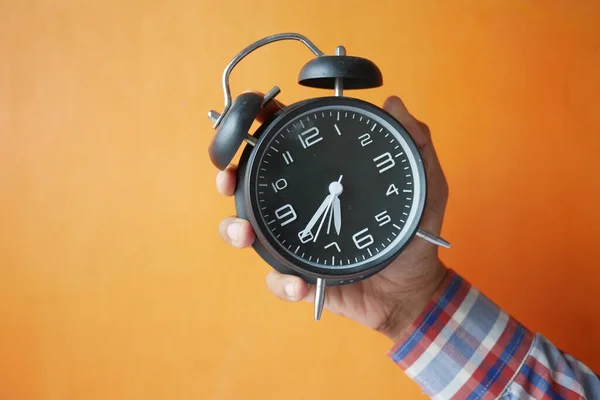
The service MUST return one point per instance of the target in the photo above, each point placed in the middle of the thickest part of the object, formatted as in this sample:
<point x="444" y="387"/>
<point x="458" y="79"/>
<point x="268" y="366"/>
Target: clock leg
<point x="432" y="238"/>
<point x="319" y="298"/>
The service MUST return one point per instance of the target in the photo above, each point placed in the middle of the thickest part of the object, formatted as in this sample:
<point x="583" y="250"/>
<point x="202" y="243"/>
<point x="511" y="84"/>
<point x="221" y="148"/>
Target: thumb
<point x="417" y="130"/>
<point x="436" y="181"/>
<point x="420" y="134"/>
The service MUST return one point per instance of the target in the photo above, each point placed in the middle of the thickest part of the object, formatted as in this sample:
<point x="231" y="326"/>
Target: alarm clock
<point x="334" y="186"/>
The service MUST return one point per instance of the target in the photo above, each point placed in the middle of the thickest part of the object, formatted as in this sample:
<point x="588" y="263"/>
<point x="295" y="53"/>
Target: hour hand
<point x="337" y="215"/>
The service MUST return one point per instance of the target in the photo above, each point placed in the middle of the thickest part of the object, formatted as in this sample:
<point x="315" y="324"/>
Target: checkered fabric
<point x="463" y="346"/>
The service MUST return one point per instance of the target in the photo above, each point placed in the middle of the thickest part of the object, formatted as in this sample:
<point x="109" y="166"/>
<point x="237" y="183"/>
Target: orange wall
<point x="113" y="281"/>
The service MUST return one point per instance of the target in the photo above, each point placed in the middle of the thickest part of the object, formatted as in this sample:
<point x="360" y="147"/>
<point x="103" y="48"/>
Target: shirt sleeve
<point x="463" y="346"/>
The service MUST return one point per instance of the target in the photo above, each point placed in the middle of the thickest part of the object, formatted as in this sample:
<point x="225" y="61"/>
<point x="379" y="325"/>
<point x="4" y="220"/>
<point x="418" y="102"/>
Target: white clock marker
<point x="337" y="129"/>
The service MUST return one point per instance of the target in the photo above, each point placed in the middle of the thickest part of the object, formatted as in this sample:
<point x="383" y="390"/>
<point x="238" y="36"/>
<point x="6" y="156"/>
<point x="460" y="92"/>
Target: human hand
<point x="388" y="301"/>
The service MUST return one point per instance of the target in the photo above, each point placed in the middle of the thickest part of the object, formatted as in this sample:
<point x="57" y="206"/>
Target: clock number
<point x="287" y="157"/>
<point x="383" y="218"/>
<point x="305" y="236"/>
<point x="392" y="189"/>
<point x="363" y="239"/>
<point x="365" y="139"/>
<point x="286" y="213"/>
<point x="335" y="245"/>
<point x="387" y="162"/>
<point x="312" y="138"/>
<point x="279" y="185"/>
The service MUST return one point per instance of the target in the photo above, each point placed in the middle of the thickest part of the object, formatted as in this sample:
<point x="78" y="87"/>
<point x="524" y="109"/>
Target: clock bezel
<point x="356" y="271"/>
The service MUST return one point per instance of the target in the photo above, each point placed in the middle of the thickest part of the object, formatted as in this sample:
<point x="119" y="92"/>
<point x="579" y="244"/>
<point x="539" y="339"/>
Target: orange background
<point x="114" y="283"/>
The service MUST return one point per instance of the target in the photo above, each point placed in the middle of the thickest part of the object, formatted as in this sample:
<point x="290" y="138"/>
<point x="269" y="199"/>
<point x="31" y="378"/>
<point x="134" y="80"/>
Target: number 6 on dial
<point x="362" y="239"/>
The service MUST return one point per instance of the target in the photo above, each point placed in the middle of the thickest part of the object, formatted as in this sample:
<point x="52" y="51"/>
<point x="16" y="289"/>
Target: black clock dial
<point x="337" y="186"/>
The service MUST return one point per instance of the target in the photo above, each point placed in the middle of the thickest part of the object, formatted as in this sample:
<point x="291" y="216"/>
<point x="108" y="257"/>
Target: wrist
<point x="406" y="308"/>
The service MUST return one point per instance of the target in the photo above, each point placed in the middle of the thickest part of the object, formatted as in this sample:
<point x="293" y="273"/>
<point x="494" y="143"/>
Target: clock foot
<point x="432" y="238"/>
<point x="213" y="115"/>
<point x="319" y="298"/>
<point x="251" y="140"/>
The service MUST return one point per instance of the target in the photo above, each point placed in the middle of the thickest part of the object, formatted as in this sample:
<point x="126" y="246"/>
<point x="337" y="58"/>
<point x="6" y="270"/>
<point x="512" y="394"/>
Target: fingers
<point x="226" y="180"/>
<point x="236" y="232"/>
<point x="287" y="287"/>
<point x="293" y="288"/>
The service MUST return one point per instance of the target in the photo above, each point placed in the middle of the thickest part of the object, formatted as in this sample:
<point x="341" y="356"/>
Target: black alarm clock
<point x="334" y="187"/>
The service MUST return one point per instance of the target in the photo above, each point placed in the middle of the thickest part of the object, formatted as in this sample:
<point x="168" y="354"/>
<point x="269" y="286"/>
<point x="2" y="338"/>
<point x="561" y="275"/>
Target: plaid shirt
<point x="463" y="346"/>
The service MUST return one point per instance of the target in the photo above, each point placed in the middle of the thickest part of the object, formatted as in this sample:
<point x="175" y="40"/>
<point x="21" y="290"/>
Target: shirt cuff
<point x="463" y="345"/>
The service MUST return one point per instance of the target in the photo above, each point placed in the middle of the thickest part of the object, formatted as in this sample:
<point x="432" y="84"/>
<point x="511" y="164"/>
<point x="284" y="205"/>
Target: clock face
<point x="336" y="185"/>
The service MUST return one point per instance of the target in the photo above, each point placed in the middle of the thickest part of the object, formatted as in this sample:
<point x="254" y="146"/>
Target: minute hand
<point x="332" y="197"/>
<point x="318" y="214"/>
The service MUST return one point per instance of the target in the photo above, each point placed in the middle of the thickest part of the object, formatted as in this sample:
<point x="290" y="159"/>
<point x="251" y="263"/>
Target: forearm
<point x="463" y="346"/>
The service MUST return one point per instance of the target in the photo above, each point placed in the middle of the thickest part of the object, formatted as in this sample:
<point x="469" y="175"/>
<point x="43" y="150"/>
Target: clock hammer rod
<point x="339" y="84"/>
<point x="319" y="298"/>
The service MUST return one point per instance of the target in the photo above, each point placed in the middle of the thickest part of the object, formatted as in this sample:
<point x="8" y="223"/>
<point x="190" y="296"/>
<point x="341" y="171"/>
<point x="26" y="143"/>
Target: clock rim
<point x="271" y="127"/>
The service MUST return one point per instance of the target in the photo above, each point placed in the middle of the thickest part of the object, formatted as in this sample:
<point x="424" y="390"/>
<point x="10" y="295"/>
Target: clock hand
<point x="331" y="197"/>
<point x="335" y="189"/>
<point x="315" y="218"/>
<point x="337" y="215"/>
<point x="330" y="215"/>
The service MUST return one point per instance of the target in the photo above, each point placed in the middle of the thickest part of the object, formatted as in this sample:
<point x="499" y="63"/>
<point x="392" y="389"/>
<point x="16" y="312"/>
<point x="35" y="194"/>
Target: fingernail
<point x="290" y="290"/>
<point x="233" y="231"/>
<point x="394" y="103"/>
<point x="220" y="179"/>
